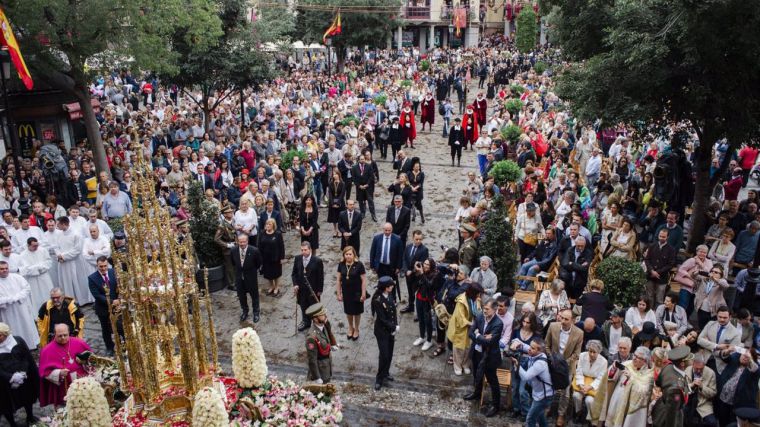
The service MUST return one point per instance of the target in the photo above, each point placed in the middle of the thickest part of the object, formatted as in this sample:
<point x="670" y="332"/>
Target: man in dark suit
<point x="268" y="213"/>
<point x="363" y="177"/>
<point x="402" y="164"/>
<point x="413" y="253"/>
<point x="574" y="268"/>
<point x="456" y="141"/>
<point x="350" y="225"/>
<point x="659" y="258"/>
<point x="247" y="262"/>
<point x="400" y="217"/>
<point x="346" y="168"/>
<point x="485" y="333"/>
<point x="308" y="279"/>
<point x="98" y="281"/>
<point x="386" y="253"/>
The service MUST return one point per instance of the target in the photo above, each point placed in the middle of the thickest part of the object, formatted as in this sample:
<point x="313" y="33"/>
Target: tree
<point x="663" y="62"/>
<point x="235" y="59"/>
<point x="498" y="243"/>
<point x="66" y="43"/>
<point x="527" y="30"/>
<point x="204" y="222"/>
<point x="366" y="28"/>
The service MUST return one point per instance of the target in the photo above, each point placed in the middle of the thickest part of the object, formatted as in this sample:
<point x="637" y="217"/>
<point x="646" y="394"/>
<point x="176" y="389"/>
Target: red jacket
<point x="732" y="188"/>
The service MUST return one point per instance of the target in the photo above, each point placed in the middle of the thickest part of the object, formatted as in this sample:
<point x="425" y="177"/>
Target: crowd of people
<point x="685" y="352"/>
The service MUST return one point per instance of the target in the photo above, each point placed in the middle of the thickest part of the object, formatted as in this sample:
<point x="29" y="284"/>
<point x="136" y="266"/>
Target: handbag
<point x="586" y="381"/>
<point x="531" y="239"/>
<point x="442" y="314"/>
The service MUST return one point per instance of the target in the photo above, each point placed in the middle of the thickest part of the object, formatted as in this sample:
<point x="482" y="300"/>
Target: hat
<point x="680" y="353"/>
<point x="315" y="310"/>
<point x="226" y="208"/>
<point x="245" y="171"/>
<point x="385" y="281"/>
<point x="647" y="332"/>
<point x="748" y="414"/>
<point x="457" y="119"/>
<point x="753" y="275"/>
<point x="669" y="325"/>
<point x="469" y="228"/>
<point x="119" y="235"/>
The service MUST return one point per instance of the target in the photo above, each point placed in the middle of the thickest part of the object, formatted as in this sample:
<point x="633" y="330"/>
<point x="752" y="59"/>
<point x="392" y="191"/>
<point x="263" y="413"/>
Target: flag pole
<point x="5" y="57"/>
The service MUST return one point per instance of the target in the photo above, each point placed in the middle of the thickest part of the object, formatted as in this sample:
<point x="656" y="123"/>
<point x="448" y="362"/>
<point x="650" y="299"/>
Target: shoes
<point x="416" y="319"/>
<point x="389" y="378"/>
<point x="457" y="372"/>
<point x="377" y="386"/>
<point x="427" y="345"/>
<point x="407" y="309"/>
<point x="303" y="326"/>
<point x="467" y="371"/>
<point x="418" y="341"/>
<point x="231" y="287"/>
<point x="492" y="412"/>
<point x="471" y="396"/>
<point x="374" y="219"/>
<point x="244" y="316"/>
<point x="516" y="414"/>
<point x="256" y="318"/>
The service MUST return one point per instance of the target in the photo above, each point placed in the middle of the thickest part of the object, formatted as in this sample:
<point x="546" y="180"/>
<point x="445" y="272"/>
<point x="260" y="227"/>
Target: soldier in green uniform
<point x="468" y="252"/>
<point x="226" y="237"/>
<point x="668" y="411"/>
<point x="320" y="342"/>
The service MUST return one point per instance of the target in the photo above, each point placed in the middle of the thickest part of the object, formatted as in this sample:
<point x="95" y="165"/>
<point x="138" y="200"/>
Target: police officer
<point x="468" y="252"/>
<point x="225" y="237"/>
<point x="386" y="327"/>
<point x="669" y="409"/>
<point x="319" y="345"/>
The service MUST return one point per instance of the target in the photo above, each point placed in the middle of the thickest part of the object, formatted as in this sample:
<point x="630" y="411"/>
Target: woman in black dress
<point x="352" y="289"/>
<point x="308" y="222"/>
<point x="336" y="197"/>
<point x="272" y="250"/>
<point x="417" y="181"/>
<point x="401" y="186"/>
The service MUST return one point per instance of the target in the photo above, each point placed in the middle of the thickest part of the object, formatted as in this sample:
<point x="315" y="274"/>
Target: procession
<point x="477" y="228"/>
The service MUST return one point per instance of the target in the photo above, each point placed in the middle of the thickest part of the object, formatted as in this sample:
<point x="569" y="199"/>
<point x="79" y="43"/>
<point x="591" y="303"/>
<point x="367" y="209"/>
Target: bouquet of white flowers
<point x="248" y="361"/>
<point x="86" y="404"/>
<point x="208" y="409"/>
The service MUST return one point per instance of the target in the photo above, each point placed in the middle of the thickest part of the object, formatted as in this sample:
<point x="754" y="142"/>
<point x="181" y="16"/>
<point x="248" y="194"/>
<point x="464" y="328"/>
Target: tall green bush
<point x="287" y="158"/>
<point x="623" y="279"/>
<point x="511" y="133"/>
<point x="540" y="67"/>
<point x="505" y="172"/>
<point x="498" y="244"/>
<point x="527" y="30"/>
<point x="514" y="106"/>
<point x="204" y="221"/>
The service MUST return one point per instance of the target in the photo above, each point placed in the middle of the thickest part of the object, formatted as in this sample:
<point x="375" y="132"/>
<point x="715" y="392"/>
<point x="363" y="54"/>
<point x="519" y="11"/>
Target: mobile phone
<point x="619" y="365"/>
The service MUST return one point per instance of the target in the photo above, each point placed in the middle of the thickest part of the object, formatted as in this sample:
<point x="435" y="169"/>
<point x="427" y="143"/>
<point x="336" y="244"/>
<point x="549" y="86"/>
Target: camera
<point x="509" y="353"/>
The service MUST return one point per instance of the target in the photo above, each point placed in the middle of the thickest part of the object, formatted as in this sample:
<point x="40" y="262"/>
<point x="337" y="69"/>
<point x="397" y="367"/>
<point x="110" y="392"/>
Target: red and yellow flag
<point x="9" y="41"/>
<point x="334" y="28"/>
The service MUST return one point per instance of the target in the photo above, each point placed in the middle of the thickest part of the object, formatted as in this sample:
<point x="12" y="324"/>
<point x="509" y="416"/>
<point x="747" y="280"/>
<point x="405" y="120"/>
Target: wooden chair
<point x="505" y="385"/>
<point x="540" y="282"/>
<point x="672" y="284"/>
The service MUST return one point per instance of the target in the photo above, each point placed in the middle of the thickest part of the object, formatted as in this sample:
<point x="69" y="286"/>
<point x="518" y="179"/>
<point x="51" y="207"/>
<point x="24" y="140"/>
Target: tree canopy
<point x="527" y="30"/>
<point x="665" y="61"/>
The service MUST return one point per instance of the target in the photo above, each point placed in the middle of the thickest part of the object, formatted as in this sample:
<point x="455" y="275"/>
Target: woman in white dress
<point x="611" y="221"/>
<point x="638" y="314"/>
<point x="246" y="220"/>
<point x="551" y="302"/>
<point x="590" y="381"/>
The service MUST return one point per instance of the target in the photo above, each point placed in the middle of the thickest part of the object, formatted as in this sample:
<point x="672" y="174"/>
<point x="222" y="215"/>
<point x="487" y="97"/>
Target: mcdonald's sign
<point x="27" y="133"/>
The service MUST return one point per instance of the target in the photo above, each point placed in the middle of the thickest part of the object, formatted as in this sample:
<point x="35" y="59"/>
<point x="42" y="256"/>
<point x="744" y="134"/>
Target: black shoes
<point x="407" y="309"/>
<point x="303" y="326"/>
<point x="377" y="386"/>
<point x="492" y="412"/>
<point x="244" y="316"/>
<point x="471" y="396"/>
<point x="256" y="318"/>
<point x="390" y="378"/>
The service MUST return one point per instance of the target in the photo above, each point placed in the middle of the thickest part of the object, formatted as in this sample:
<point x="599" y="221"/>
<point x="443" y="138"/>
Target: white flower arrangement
<point x="86" y="404"/>
<point x="248" y="361"/>
<point x="208" y="409"/>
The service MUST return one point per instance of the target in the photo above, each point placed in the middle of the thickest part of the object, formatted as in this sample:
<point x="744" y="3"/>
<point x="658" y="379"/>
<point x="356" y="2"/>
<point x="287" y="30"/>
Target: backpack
<point x="441" y="110"/>
<point x="559" y="371"/>
<point x="450" y="296"/>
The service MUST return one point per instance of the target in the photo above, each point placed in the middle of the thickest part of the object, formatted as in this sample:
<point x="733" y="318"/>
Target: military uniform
<point x="225" y="234"/>
<point x="319" y="342"/>
<point x="468" y="252"/>
<point x="386" y="325"/>
<point x="668" y="411"/>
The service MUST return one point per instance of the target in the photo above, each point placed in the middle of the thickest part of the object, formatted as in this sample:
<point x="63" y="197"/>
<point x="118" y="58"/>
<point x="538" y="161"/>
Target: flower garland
<point x="208" y="409"/>
<point x="86" y="404"/>
<point x="248" y="361"/>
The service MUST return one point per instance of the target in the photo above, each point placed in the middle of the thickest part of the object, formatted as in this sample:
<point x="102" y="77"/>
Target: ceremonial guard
<point x="468" y="252"/>
<point x="470" y="126"/>
<point x="668" y="410"/>
<point x="183" y="229"/>
<point x="481" y="108"/>
<point x="408" y="127"/>
<point x="456" y="141"/>
<point x="319" y="344"/>
<point x="226" y="237"/>
<point x="428" y="111"/>
<point x="386" y="327"/>
<point x="308" y="277"/>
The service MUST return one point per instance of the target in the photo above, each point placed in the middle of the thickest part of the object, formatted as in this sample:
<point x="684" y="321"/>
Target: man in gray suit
<point x="720" y="337"/>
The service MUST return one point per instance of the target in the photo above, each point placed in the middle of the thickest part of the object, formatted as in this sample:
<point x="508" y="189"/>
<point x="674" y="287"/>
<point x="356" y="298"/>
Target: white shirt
<point x="564" y="335"/>
<point x="615" y="334"/>
<point x="594" y="165"/>
<point x="20" y="236"/>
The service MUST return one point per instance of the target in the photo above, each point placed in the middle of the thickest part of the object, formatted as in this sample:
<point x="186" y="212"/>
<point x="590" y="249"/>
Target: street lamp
<point x="5" y="60"/>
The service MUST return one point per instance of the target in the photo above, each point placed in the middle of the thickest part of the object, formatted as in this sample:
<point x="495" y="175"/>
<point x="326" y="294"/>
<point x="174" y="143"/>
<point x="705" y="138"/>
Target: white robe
<point x="13" y="261"/>
<point x="35" y="267"/>
<point x="18" y="241"/>
<point x="50" y="242"/>
<point x="16" y="308"/>
<point x="92" y="249"/>
<point x="79" y="225"/>
<point x="72" y="271"/>
<point x="105" y="229"/>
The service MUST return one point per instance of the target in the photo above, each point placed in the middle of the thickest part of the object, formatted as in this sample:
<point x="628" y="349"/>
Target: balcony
<point x="417" y="13"/>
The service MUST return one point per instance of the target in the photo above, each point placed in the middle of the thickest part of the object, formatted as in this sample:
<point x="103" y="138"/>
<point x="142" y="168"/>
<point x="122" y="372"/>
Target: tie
<point x="361" y="168"/>
<point x="720" y="332"/>
<point x="242" y="257"/>
<point x="105" y="280"/>
<point x="398" y="211"/>
<point x="350" y="218"/>
<point x="386" y="250"/>
<point x="414" y="249"/>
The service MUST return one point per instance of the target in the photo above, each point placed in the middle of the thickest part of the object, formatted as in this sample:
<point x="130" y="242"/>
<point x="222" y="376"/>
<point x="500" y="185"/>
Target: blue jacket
<point x="395" y="252"/>
<point x="488" y="347"/>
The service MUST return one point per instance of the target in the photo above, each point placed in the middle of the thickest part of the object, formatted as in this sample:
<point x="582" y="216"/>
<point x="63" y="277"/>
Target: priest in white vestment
<point x="20" y="236"/>
<point x="49" y="243"/>
<point x="16" y="306"/>
<point x="105" y="229"/>
<point x="7" y="255"/>
<point x="76" y="222"/>
<point x="70" y="264"/>
<point x="35" y="265"/>
<point x="94" y="247"/>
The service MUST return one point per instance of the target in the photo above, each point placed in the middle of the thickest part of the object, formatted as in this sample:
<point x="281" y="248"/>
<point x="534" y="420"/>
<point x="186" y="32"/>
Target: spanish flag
<point x="334" y="28"/>
<point x="9" y="41"/>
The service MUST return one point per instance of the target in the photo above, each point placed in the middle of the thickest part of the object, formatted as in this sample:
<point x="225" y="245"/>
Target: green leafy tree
<point x="498" y="243"/>
<point x="66" y="43"/>
<point x="234" y="60"/>
<point x="204" y="221"/>
<point x="505" y="172"/>
<point x="623" y="280"/>
<point x="357" y="28"/>
<point x="663" y="61"/>
<point x="527" y="30"/>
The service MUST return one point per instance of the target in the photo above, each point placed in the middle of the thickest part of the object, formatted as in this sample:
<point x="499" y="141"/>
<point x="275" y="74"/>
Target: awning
<point x="75" y="111"/>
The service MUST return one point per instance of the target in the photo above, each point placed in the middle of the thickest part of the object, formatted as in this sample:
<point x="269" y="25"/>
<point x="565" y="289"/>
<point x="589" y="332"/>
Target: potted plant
<point x="406" y="83"/>
<point x="516" y="89"/>
<point x="511" y="133"/>
<point x="505" y="172"/>
<point x="204" y="221"/>
<point x="540" y="67"/>
<point x="380" y="99"/>
<point x="498" y="243"/>
<point x="514" y="106"/>
<point x="623" y="280"/>
<point x="287" y="158"/>
<point x="424" y="65"/>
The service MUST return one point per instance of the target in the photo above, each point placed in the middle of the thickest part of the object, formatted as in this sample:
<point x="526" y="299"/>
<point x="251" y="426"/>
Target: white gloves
<point x="17" y="379"/>
<point x="397" y="329"/>
<point x="319" y="381"/>
<point x="230" y="245"/>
